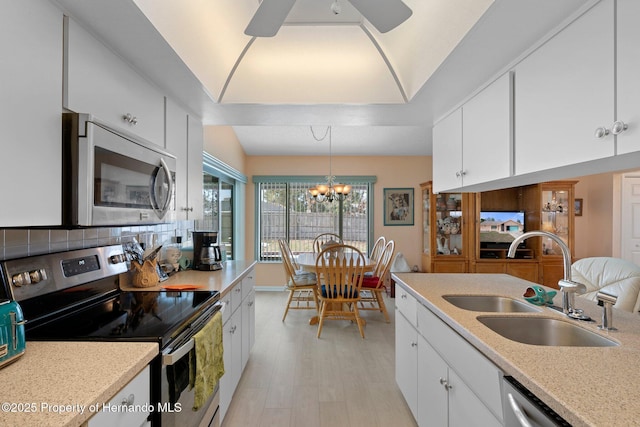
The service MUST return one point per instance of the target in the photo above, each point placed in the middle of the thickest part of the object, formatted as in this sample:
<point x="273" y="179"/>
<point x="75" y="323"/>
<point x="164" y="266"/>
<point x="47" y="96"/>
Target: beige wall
<point x="221" y="142"/>
<point x="595" y="228"/>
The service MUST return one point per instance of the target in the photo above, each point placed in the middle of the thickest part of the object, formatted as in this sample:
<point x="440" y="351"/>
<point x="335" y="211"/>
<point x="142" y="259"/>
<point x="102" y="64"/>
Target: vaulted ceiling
<point x="380" y="92"/>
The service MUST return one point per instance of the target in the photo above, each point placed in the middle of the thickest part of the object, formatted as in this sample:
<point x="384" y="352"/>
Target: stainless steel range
<point x="75" y="296"/>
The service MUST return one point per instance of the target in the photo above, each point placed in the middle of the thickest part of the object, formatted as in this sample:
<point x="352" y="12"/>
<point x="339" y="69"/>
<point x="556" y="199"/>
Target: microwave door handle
<point x="170" y="182"/>
<point x="160" y="208"/>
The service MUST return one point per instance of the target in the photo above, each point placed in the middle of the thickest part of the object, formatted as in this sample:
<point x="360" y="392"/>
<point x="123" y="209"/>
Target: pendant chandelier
<point x="330" y="191"/>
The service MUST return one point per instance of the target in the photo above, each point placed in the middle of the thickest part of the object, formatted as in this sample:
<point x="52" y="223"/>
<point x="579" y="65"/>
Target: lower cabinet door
<point x="406" y="362"/>
<point x="465" y="409"/>
<point x="432" y="393"/>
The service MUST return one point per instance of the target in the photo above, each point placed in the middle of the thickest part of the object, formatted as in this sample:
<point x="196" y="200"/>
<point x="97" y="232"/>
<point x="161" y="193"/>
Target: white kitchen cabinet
<point x="248" y="326"/>
<point x="447" y="152"/>
<point x="137" y="393"/>
<point x="248" y="316"/>
<point x="232" y="343"/>
<point x="30" y="114"/>
<point x="444" y="380"/>
<point x="195" y="139"/>
<point x="474" y="143"/>
<point x="407" y="361"/>
<point x="184" y="139"/>
<point x="564" y="91"/>
<point x="473" y="368"/>
<point x="487" y="129"/>
<point x="238" y="335"/>
<point x="99" y="82"/>
<point x="628" y="70"/>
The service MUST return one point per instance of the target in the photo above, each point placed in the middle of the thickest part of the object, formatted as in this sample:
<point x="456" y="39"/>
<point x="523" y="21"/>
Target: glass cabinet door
<point x="426" y="220"/>
<point x="555" y="217"/>
<point x="449" y="226"/>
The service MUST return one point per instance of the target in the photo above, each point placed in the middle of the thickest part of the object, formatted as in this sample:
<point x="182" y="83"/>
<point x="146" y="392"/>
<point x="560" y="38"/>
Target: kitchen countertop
<point x="588" y="386"/>
<point x="221" y="280"/>
<point x="80" y="374"/>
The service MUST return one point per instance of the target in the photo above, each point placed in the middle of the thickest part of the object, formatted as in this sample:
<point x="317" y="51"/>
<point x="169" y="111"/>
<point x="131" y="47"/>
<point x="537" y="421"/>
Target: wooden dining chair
<point x="372" y="294"/>
<point x="325" y="238"/>
<point x="378" y="247"/>
<point x="300" y="284"/>
<point x="340" y="278"/>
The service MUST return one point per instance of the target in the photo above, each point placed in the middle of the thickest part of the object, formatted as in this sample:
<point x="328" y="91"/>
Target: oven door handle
<point x="171" y="357"/>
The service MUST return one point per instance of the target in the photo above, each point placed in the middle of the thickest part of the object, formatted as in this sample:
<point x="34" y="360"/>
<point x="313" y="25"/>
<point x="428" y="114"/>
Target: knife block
<point x="144" y="275"/>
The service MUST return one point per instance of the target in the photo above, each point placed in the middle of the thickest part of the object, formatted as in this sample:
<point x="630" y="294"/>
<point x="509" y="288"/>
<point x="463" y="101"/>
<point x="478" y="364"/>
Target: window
<point x="221" y="213"/>
<point x="286" y="210"/>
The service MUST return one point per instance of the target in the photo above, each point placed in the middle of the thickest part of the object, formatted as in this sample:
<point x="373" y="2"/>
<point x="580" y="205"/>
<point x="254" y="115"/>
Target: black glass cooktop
<point x="132" y="316"/>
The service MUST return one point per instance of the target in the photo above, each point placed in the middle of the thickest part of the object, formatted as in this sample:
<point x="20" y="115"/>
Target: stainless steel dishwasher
<point x="523" y="409"/>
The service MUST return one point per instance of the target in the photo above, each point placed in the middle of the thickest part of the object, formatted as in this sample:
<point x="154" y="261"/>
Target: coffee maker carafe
<point x="206" y="252"/>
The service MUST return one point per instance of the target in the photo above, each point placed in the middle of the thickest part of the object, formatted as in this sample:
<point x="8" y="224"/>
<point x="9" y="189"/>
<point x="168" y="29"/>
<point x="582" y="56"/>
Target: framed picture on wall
<point x="398" y="206"/>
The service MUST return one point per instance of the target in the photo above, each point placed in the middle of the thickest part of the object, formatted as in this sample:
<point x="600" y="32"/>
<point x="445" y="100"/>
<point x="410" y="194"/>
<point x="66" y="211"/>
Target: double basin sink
<point x="534" y="330"/>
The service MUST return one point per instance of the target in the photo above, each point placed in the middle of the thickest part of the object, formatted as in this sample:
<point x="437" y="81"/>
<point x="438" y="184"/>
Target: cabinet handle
<point x="187" y="209"/>
<point x="414" y="344"/>
<point x="460" y="174"/>
<point x="618" y="127"/>
<point x="403" y="296"/>
<point x="128" y="401"/>
<point x="131" y="119"/>
<point x="601" y="132"/>
<point x="445" y="384"/>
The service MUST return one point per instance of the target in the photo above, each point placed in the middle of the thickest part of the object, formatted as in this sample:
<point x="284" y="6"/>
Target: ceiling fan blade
<point x="269" y="18"/>
<point x="385" y="15"/>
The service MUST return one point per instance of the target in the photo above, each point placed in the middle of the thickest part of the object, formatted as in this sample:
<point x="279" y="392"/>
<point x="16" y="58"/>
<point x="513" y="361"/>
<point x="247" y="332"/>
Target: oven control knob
<point x="37" y="276"/>
<point x="117" y="259"/>
<point x="21" y="279"/>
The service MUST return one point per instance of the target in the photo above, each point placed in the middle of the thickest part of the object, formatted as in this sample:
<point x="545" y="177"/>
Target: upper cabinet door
<point x="447" y="152"/>
<point x="98" y="82"/>
<point x="30" y="120"/>
<point x="487" y="152"/>
<point x="628" y="81"/>
<point x="564" y="91"/>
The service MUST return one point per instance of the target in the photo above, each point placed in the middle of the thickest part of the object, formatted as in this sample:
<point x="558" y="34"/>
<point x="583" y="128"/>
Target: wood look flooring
<point x="294" y="379"/>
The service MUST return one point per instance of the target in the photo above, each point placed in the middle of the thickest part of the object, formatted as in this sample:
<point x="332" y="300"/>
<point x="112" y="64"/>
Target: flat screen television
<point x="499" y="228"/>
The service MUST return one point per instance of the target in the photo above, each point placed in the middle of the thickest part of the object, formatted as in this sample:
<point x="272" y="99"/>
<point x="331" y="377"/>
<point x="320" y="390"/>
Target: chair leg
<point x="286" y="310"/>
<point x="383" y="307"/>
<point x="324" y="308"/>
<point x="359" y="321"/>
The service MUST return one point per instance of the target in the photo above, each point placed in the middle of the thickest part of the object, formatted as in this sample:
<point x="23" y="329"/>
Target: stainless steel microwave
<point x="111" y="177"/>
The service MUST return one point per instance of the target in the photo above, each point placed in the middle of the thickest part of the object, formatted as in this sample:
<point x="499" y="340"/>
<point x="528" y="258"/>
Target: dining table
<point x="307" y="262"/>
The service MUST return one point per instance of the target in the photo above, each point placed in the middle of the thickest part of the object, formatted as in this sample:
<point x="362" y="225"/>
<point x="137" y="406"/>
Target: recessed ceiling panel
<point x="346" y="140"/>
<point x="313" y="64"/>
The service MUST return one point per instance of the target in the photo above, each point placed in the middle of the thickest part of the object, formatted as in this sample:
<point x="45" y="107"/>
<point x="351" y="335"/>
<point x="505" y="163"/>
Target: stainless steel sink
<point x="544" y="331"/>
<point x="490" y="303"/>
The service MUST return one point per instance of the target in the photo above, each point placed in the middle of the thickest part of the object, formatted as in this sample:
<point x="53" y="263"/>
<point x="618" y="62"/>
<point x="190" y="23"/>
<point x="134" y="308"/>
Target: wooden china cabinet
<point x="447" y="236"/>
<point x="451" y="240"/>
<point x="551" y="208"/>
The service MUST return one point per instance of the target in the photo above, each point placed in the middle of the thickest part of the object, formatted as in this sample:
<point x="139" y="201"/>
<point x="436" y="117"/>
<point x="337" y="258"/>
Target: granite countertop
<point x="220" y="280"/>
<point x="588" y="386"/>
<point x="50" y="375"/>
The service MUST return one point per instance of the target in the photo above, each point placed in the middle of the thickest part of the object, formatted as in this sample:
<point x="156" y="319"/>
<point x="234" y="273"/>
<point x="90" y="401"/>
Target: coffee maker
<point x="206" y="252"/>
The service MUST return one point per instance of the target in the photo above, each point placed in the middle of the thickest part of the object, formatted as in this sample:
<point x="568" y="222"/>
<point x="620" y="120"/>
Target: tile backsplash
<point x="22" y="242"/>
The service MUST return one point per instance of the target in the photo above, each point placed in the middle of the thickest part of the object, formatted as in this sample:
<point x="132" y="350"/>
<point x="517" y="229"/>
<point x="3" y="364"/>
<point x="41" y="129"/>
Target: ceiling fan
<point x="385" y="15"/>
